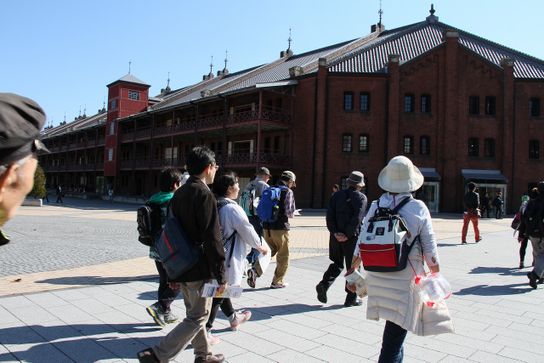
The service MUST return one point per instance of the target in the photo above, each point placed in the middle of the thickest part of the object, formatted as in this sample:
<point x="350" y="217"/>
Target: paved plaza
<point x="74" y="284"/>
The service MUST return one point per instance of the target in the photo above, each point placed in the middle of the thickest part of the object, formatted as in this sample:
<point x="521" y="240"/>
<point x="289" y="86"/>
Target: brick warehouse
<point x="460" y="106"/>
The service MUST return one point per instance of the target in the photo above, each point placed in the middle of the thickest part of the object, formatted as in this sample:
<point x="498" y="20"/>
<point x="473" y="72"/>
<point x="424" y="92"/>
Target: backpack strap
<point x="220" y="204"/>
<point x="401" y="204"/>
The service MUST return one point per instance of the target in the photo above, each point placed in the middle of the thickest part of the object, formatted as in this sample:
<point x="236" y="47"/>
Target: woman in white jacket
<point x="239" y="238"/>
<point x="393" y="296"/>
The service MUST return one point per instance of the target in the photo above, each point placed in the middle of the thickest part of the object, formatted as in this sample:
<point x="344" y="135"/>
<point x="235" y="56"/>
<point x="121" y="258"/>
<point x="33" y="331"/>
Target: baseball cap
<point x="289" y="175"/>
<point x="263" y="171"/>
<point x="21" y="120"/>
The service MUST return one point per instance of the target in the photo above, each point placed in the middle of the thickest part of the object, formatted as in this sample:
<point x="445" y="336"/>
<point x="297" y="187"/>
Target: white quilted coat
<point x="392" y="295"/>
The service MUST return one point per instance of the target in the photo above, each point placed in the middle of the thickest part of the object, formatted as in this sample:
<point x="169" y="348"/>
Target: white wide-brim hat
<point x="400" y="176"/>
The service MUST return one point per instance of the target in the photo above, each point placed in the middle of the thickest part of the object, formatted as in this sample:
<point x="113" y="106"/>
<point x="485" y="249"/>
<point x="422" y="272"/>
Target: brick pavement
<point x="497" y="317"/>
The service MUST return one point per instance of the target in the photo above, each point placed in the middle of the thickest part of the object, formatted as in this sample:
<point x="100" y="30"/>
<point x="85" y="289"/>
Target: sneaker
<point x="356" y="302"/>
<point x="147" y="356"/>
<point x="240" y="317"/>
<point x="321" y="293"/>
<point x="533" y="278"/>
<point x="212" y="339"/>
<point x="463" y="242"/>
<point x="280" y="285"/>
<point x="251" y="277"/>
<point x="215" y="358"/>
<point x="479" y="239"/>
<point x="156" y="313"/>
<point x="170" y="317"/>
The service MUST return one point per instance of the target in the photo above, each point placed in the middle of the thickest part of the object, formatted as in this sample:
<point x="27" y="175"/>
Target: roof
<point x="76" y="125"/>
<point x="414" y="40"/>
<point x="484" y="175"/>
<point x="129" y="78"/>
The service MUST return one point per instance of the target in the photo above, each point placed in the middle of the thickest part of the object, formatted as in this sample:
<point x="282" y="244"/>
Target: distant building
<point x="460" y="106"/>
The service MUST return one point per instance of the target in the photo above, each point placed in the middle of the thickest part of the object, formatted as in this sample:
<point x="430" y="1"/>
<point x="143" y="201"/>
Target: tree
<point x="38" y="190"/>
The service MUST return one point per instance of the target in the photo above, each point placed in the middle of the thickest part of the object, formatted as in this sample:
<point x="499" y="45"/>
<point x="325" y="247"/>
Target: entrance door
<point x="429" y="194"/>
<point x="492" y="190"/>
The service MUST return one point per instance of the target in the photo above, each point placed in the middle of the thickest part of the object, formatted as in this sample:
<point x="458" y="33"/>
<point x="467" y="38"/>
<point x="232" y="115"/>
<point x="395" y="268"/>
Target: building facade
<point x="461" y="107"/>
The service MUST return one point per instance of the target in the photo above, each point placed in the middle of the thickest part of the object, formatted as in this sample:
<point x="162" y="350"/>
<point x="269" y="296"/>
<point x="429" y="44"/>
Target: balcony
<point x="250" y="159"/>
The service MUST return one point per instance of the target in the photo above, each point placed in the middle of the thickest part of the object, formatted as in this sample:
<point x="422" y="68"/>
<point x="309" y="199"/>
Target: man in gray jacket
<point x="345" y="214"/>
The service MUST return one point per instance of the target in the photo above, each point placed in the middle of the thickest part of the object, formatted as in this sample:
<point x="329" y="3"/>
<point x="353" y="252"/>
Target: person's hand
<point x="264" y="250"/>
<point x="174" y="285"/>
<point x="340" y="237"/>
<point x="351" y="287"/>
<point x="349" y="272"/>
<point x="221" y="288"/>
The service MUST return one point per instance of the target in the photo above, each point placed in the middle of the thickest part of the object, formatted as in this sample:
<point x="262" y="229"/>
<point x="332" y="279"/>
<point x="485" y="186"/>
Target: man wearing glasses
<point x="195" y="206"/>
<point x="21" y="120"/>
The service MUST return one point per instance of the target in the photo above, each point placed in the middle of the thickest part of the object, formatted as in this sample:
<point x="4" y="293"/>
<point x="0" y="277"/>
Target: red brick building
<point x="460" y="106"/>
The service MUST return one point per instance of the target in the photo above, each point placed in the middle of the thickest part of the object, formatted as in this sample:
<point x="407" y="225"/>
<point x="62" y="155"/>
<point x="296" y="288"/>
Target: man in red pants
<point x="472" y="213"/>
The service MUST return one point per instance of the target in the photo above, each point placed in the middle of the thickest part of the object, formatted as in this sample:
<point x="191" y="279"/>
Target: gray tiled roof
<point x="130" y="78"/>
<point x="414" y="40"/>
<point x="76" y="125"/>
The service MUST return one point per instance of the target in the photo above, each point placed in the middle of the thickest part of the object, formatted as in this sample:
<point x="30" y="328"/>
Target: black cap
<point x="21" y="120"/>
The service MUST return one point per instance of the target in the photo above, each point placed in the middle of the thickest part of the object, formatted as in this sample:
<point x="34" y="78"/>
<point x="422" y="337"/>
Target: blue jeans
<point x="392" y="344"/>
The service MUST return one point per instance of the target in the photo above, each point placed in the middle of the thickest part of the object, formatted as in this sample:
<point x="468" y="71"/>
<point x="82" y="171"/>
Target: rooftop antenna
<point x="168" y="81"/>
<point x="79" y="110"/>
<point x="129" y="63"/>
<point x="211" y="66"/>
<point x="85" y="110"/>
<point x="289" y="40"/>
<point x="226" y="58"/>
<point x="380" y="13"/>
<point x="432" y="11"/>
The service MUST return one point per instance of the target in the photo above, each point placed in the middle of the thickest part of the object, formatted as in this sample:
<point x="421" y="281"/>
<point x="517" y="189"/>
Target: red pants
<point x="466" y="218"/>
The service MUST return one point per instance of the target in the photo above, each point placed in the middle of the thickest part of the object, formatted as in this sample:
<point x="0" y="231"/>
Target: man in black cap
<point x="346" y="211"/>
<point x="21" y="120"/>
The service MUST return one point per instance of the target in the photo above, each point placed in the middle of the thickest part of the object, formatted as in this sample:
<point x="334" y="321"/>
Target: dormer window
<point x="134" y="95"/>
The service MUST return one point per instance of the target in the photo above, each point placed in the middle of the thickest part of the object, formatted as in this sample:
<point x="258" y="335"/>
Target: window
<point x="134" y="95"/>
<point x="363" y="143"/>
<point x="474" y="105"/>
<point x="534" y="106"/>
<point x="113" y="104"/>
<point x="534" y="149"/>
<point x="489" y="148"/>
<point x="110" y="154"/>
<point x="424" y="145"/>
<point x="112" y="128"/>
<point x="490" y="105"/>
<point x="473" y="146"/>
<point x="364" y="102"/>
<point x="425" y="103"/>
<point x="346" y="143"/>
<point x="408" y="103"/>
<point x="408" y="145"/>
<point x="348" y="101"/>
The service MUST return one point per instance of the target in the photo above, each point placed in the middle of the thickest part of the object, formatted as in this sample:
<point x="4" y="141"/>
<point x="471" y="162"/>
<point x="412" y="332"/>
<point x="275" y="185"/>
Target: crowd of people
<point x="234" y="238"/>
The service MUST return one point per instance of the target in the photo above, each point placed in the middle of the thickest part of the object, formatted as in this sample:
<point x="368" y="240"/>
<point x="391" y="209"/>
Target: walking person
<point x="59" y="194"/>
<point x="276" y="234"/>
<point x="524" y="241"/>
<point x="471" y="201"/>
<point x="393" y="296"/>
<point x="160" y="311"/>
<point x="484" y="206"/>
<point x="21" y="120"/>
<point x="531" y="226"/>
<point x="195" y="207"/>
<point x="344" y="216"/>
<point x="239" y="238"/>
<point x="249" y="199"/>
<point x="498" y="203"/>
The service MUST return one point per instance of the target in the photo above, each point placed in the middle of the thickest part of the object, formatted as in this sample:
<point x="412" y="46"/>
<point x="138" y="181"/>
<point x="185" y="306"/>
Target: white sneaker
<point x="240" y="317"/>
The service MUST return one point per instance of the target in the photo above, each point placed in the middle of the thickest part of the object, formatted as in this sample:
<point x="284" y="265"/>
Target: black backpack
<point x="149" y="219"/>
<point x="533" y="216"/>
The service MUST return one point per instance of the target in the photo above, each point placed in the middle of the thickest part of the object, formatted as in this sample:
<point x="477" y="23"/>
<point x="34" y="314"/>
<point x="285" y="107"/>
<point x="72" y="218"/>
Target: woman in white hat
<point x="392" y="296"/>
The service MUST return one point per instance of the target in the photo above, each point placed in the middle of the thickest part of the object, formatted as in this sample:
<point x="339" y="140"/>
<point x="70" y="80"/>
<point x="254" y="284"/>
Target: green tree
<point x="39" y="191"/>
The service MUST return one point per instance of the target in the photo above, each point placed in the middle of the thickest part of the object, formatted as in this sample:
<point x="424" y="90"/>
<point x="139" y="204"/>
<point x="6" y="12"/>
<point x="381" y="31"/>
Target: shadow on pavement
<point x="267" y="312"/>
<point x="503" y="271"/>
<point x="95" y="280"/>
<point x="95" y="204"/>
<point x="495" y="290"/>
<point x="78" y="342"/>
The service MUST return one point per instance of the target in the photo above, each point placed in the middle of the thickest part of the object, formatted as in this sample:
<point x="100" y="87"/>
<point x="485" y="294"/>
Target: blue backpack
<point x="269" y="204"/>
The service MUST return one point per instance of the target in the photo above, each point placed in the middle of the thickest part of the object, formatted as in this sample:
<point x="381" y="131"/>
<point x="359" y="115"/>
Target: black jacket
<point x="346" y="211"/>
<point x="196" y="208"/>
<point x="472" y="200"/>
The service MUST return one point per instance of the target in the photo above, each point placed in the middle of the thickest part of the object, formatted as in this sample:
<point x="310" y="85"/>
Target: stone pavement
<point x="97" y="312"/>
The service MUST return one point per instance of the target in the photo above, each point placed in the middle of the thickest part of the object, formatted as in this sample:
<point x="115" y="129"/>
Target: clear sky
<point x="63" y="53"/>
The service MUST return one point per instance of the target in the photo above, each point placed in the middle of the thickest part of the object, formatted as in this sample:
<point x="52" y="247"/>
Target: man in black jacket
<point x="196" y="208"/>
<point x="344" y="217"/>
<point x="472" y="213"/>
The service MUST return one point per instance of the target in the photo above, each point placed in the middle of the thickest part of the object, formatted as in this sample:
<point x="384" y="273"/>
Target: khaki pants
<point x="192" y="329"/>
<point x="538" y="254"/>
<point x="278" y="240"/>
